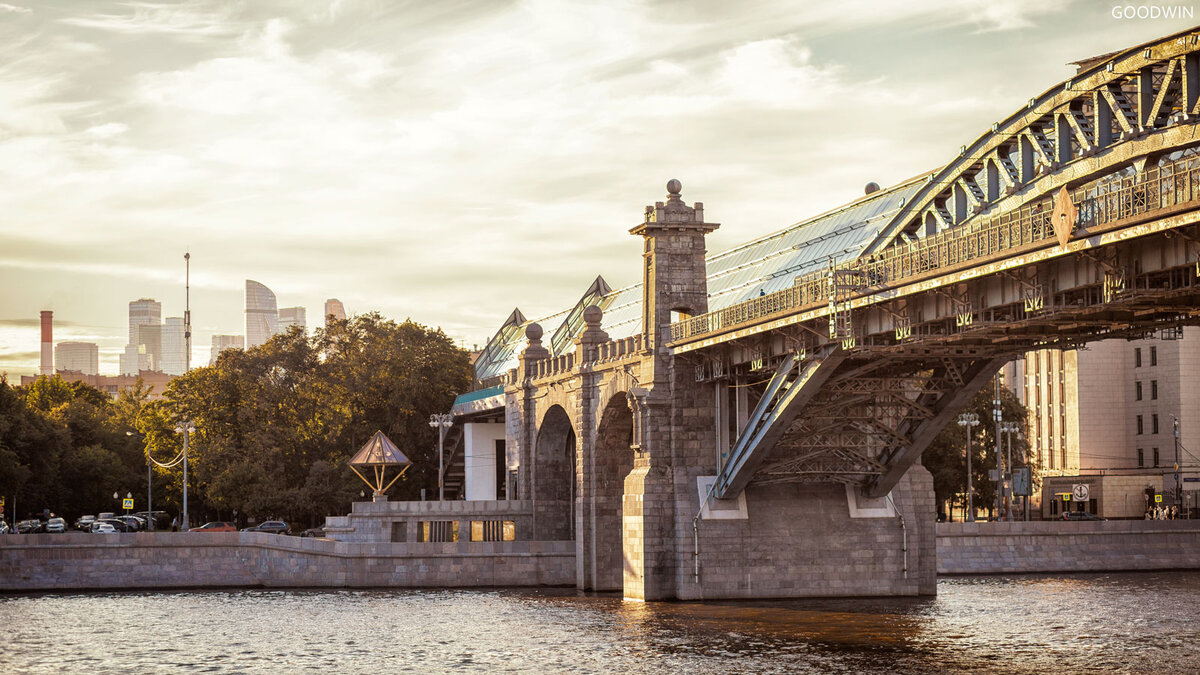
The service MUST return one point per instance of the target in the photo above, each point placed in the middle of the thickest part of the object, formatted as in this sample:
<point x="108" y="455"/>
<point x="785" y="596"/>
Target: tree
<point x="945" y="457"/>
<point x="275" y="424"/>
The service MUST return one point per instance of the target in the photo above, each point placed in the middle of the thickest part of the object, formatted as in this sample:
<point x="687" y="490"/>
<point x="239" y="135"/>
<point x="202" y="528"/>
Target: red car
<point x="215" y="526"/>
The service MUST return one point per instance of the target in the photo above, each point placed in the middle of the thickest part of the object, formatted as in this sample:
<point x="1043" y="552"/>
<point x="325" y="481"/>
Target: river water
<point x="1135" y="622"/>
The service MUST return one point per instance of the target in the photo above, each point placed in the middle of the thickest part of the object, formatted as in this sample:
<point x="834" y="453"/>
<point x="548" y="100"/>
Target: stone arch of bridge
<point x="612" y="461"/>
<point x="554" y="487"/>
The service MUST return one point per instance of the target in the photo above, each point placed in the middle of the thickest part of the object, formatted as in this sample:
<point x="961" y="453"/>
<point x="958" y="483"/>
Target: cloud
<point x="31" y="323"/>
<point x="13" y="9"/>
<point x="442" y="160"/>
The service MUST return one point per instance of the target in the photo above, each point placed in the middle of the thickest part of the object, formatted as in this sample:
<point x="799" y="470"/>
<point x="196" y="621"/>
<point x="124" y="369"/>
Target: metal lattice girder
<point x="785" y="396"/>
<point x="923" y="433"/>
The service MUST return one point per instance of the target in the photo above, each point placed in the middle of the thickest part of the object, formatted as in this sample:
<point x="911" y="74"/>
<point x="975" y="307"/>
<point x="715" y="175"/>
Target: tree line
<point x="946" y="456"/>
<point x="274" y="427"/>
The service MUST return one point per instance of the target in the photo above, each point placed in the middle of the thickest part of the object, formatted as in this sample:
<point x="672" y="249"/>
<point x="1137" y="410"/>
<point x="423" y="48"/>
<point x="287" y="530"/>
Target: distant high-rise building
<point x="83" y="357"/>
<point x="222" y="342"/>
<point x="143" y="311"/>
<point x="150" y="346"/>
<point x="334" y="309"/>
<point x="132" y="361"/>
<point x="173" y="362"/>
<point x="47" y="364"/>
<point x="262" y="314"/>
<point x="144" y="351"/>
<point x="292" y="316"/>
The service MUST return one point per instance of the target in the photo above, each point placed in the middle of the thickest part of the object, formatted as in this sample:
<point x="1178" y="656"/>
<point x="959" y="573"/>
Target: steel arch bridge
<point x="749" y="423"/>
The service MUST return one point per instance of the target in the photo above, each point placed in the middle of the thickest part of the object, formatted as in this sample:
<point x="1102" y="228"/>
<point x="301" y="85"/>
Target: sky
<point x="448" y="161"/>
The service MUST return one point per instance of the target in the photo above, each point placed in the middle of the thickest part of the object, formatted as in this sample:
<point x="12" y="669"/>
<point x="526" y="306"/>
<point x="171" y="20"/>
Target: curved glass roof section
<point x="765" y="265"/>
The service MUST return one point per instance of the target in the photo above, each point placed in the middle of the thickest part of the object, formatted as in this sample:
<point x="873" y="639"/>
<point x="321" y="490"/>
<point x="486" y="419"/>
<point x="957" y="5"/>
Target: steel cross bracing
<point x="863" y="429"/>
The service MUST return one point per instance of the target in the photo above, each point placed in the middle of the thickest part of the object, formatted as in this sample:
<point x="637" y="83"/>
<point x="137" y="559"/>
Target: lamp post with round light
<point x="1009" y="428"/>
<point x="186" y="429"/>
<point x="442" y="422"/>
<point x="968" y="420"/>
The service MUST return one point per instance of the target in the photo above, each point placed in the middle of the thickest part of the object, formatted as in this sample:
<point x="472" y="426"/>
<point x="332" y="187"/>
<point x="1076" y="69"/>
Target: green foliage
<point x="276" y="424"/>
<point x="945" y="457"/>
<point x="274" y="427"/>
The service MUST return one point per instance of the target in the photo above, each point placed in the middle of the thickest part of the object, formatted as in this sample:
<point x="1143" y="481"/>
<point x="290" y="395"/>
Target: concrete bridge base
<point x="802" y="540"/>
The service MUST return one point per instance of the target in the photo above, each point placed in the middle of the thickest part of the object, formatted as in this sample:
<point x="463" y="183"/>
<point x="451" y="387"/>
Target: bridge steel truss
<point x="1093" y="236"/>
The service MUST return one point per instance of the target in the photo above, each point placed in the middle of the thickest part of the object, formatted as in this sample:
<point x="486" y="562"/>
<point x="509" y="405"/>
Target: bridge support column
<point x="647" y="532"/>
<point x="811" y="540"/>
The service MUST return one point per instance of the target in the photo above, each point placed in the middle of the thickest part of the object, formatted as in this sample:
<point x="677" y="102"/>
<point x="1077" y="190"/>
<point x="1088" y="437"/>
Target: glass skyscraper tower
<point x="262" y="314"/>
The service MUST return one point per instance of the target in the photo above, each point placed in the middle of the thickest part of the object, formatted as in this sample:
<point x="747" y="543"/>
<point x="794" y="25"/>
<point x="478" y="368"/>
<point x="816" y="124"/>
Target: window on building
<point x="1155" y="456"/>
<point x="1092" y="506"/>
<point x="1154" y="423"/>
<point x="1154" y="356"/>
<point x="1141" y="458"/>
<point x="1139" y="425"/>
<point x="1153" y="390"/>
<point x="1137" y="391"/>
<point x="1137" y="357"/>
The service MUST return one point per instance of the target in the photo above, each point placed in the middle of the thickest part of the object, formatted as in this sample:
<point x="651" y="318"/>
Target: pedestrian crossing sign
<point x="127" y="503"/>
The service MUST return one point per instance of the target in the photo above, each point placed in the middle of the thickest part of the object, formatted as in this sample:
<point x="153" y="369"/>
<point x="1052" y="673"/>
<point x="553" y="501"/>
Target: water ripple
<point x="1103" y="622"/>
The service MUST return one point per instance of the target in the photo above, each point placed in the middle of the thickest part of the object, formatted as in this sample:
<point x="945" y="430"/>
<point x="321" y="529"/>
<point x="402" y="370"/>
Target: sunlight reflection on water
<point x="1129" y="622"/>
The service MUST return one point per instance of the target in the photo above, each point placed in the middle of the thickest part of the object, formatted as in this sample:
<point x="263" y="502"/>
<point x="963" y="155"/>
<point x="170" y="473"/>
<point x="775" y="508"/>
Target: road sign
<point x="1021" y="482"/>
<point x="1158" y="498"/>
<point x="1080" y="492"/>
<point x="127" y="503"/>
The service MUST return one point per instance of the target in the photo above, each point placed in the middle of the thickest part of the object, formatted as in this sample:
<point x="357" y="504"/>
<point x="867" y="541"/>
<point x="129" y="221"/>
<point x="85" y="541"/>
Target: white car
<point x="56" y="525"/>
<point x="103" y="528"/>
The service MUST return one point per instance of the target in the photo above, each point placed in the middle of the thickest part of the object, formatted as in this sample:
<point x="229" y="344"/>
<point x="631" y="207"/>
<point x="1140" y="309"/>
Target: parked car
<point x="1080" y="515"/>
<point x="313" y="532"/>
<point x="271" y="526"/>
<point x="84" y="523"/>
<point x="56" y="525"/>
<point x="31" y="526"/>
<point x="103" y="527"/>
<point x="105" y="516"/>
<point x="136" y="524"/>
<point x="118" y="525"/>
<point x="159" y="520"/>
<point x="4" y="528"/>
<point x="216" y="526"/>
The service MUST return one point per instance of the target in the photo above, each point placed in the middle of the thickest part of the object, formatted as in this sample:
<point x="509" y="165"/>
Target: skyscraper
<point x="222" y="342"/>
<point x="262" y="314"/>
<point x="143" y="311"/>
<point x="292" y="316"/>
<point x="173" y="346"/>
<point x="83" y="357"/>
<point x="334" y="308"/>
<point x="150" y="346"/>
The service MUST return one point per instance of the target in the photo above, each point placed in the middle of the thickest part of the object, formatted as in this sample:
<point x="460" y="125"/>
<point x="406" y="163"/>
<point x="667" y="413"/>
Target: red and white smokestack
<point x="47" y="367"/>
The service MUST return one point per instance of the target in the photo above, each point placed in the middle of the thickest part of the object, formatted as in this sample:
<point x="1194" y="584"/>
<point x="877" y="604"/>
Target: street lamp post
<point x="1009" y="428"/>
<point x="442" y="422"/>
<point x="186" y="429"/>
<point x="969" y="420"/>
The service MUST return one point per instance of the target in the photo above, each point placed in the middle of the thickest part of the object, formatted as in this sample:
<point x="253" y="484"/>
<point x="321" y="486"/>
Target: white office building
<point x="78" y="356"/>
<point x="262" y="314"/>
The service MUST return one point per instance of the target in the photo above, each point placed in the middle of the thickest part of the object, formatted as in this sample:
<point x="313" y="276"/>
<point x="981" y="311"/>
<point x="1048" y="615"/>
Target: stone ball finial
<point x="674" y="187"/>
<point x="534" y="332"/>
<point x="592" y="315"/>
<point x="871" y="187"/>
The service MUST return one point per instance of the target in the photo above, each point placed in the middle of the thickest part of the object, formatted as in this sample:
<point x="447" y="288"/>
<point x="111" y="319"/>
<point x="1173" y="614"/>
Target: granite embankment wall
<point x="1060" y="546"/>
<point x="221" y="559"/>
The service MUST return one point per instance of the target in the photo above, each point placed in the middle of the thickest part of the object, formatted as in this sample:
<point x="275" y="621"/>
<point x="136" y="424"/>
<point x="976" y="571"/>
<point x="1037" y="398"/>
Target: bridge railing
<point x="1099" y="202"/>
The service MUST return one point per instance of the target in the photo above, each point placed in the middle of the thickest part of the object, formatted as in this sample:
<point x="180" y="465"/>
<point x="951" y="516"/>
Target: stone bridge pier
<point x="619" y="442"/>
